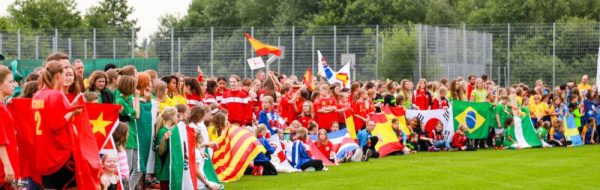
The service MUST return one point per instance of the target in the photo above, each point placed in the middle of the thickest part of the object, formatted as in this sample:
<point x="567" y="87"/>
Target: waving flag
<point x="430" y="118"/>
<point x="324" y="69"/>
<point x="308" y="80"/>
<point x="388" y="141"/>
<point x="318" y="155"/>
<point x="104" y="119"/>
<point x="571" y="132"/>
<point x="262" y="49"/>
<point x="278" y="158"/>
<point x="342" y="143"/>
<point x="237" y="148"/>
<point x="477" y="116"/>
<point x="342" y="76"/>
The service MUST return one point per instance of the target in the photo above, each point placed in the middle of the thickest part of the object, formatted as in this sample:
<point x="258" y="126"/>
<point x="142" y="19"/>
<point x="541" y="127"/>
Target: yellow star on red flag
<point x="99" y="125"/>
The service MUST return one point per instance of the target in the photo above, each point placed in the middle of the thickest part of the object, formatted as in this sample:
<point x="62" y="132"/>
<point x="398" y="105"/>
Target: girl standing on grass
<point x="168" y="147"/>
<point x="9" y="157"/>
<point x="120" y="137"/>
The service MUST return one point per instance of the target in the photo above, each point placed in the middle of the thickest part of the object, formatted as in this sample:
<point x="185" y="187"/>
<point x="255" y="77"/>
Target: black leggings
<point x="268" y="168"/>
<point x="564" y="143"/>
<point x="317" y="164"/>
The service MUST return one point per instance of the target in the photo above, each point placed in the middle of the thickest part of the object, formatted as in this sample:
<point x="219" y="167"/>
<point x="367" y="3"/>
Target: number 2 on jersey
<point x="38" y="122"/>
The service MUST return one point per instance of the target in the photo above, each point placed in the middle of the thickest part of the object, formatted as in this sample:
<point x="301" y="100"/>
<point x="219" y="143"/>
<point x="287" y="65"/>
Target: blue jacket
<point x="299" y="156"/>
<point x="589" y="108"/>
<point x="363" y="137"/>
<point x="261" y="157"/>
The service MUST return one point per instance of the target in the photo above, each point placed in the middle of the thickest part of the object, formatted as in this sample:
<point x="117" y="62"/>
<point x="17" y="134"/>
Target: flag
<point x="262" y="49"/>
<point x="400" y="113"/>
<point x="342" y="143"/>
<point x="388" y="141"/>
<point x="308" y="80"/>
<point x="278" y="158"/>
<point x="342" y="76"/>
<point x="110" y="148"/>
<point x="324" y="69"/>
<point x="571" y="132"/>
<point x="524" y="132"/>
<point x="430" y="119"/>
<point x="24" y="126"/>
<point x="176" y="158"/>
<point x="256" y="63"/>
<point x="350" y="124"/>
<point x="85" y="150"/>
<point x="478" y="117"/>
<point x="104" y="119"/>
<point x="237" y="148"/>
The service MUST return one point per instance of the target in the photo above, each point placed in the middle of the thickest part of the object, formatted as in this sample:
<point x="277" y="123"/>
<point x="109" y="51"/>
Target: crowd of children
<point x="190" y="113"/>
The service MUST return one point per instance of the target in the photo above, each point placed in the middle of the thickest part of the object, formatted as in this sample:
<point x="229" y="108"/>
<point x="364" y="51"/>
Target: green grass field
<point x="551" y="168"/>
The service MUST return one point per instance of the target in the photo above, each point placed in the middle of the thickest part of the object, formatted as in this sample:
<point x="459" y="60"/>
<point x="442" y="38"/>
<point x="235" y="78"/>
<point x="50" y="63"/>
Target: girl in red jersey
<point x="193" y="92"/>
<point x="421" y="97"/>
<point x="9" y="170"/>
<point x="325" y="146"/>
<point x="52" y="112"/>
<point x="326" y="108"/>
<point x="209" y="95"/>
<point x="235" y="101"/>
<point x="360" y="108"/>
<point x="307" y="115"/>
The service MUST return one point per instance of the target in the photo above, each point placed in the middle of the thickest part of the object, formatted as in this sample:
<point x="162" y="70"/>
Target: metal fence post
<point x="245" y="55"/>
<point x="132" y="43"/>
<point x="94" y="44"/>
<point x="446" y="53"/>
<point x="19" y="44"/>
<point x="508" y="57"/>
<point x="179" y="55"/>
<point x="382" y="58"/>
<point x="69" y="47"/>
<point x="347" y="45"/>
<point x="419" y="48"/>
<point x="84" y="49"/>
<point x="114" y="48"/>
<point x="0" y="42"/>
<point x="554" y="54"/>
<point x="212" y="34"/>
<point x="279" y="60"/>
<point x="465" y="59"/>
<point x="376" y="51"/>
<point x="334" y="47"/>
<point x="55" y="40"/>
<point x="37" y="47"/>
<point x="293" y="50"/>
<point x="172" y="50"/>
<point x="312" y="54"/>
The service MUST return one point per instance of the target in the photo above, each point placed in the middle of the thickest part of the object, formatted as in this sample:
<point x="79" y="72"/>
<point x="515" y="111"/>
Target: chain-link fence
<point x="508" y="53"/>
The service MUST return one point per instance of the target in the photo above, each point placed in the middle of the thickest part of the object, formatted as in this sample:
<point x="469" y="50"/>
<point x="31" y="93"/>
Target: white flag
<point x="342" y="77"/>
<point x="430" y="118"/>
<point x="256" y="63"/>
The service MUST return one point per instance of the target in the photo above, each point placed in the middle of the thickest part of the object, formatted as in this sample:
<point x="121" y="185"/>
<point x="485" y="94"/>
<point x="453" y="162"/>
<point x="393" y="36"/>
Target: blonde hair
<point x="160" y="89"/>
<point x="260" y="129"/>
<point x="268" y="99"/>
<point x="165" y="116"/>
<point x="301" y="133"/>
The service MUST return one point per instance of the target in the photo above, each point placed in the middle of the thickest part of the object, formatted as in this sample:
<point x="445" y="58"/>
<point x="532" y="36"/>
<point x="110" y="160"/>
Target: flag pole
<point x="271" y="59"/>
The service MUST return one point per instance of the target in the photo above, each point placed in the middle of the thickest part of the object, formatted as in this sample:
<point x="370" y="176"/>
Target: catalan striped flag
<point x="262" y="49"/>
<point x="237" y="148"/>
<point x="308" y="80"/>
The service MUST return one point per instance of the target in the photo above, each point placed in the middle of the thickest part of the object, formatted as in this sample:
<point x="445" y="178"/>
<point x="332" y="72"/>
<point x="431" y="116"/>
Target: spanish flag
<point x="388" y="141"/>
<point x="237" y="148"/>
<point x="308" y="80"/>
<point x="262" y="49"/>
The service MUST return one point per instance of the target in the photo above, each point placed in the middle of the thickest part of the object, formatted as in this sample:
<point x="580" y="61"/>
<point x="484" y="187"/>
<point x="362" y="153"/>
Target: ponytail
<point x="163" y="117"/>
<point x="48" y="72"/>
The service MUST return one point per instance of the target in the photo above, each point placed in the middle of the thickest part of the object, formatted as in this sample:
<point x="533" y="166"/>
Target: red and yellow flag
<point x="262" y="49"/>
<point x="350" y="124"/>
<point x="237" y="148"/>
<point x="308" y="80"/>
<point x="104" y="119"/>
<point x="388" y="140"/>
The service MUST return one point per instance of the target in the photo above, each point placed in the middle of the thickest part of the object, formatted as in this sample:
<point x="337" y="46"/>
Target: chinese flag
<point x="308" y="80"/>
<point x="103" y="119"/>
<point x="85" y="150"/>
<point x="262" y="49"/>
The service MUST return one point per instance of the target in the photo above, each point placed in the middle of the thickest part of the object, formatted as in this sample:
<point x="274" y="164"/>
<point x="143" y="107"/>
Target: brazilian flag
<point x="478" y="116"/>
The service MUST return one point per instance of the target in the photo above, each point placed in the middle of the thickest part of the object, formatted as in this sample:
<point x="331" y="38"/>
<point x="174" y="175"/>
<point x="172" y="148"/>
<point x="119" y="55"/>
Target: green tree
<point x="111" y="13"/>
<point x="44" y="14"/>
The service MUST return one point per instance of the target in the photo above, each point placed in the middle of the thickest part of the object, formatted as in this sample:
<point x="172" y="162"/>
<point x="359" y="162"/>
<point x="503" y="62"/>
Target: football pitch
<point x="549" y="168"/>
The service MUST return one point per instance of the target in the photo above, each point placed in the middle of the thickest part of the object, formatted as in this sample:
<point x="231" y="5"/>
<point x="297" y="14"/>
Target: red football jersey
<point x="8" y="138"/>
<point x="359" y="108"/>
<point x="325" y="149"/>
<point x="325" y="120"/>
<point x="52" y="140"/>
<point x="287" y="109"/>
<point x="305" y="120"/>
